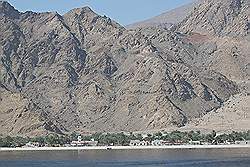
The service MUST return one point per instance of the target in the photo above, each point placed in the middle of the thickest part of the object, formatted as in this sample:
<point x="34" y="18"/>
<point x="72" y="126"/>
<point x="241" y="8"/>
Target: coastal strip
<point x="126" y="148"/>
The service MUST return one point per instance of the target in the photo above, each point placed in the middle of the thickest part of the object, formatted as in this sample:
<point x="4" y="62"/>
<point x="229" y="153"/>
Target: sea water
<point x="128" y="158"/>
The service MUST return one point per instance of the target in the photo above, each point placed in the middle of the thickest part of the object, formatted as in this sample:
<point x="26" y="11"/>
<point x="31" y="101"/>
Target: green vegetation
<point x="123" y="139"/>
<point x="114" y="138"/>
<point x="50" y="140"/>
<point x="12" y="141"/>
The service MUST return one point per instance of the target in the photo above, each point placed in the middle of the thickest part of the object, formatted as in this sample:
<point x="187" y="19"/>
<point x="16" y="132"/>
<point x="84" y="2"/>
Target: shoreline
<point x="125" y="148"/>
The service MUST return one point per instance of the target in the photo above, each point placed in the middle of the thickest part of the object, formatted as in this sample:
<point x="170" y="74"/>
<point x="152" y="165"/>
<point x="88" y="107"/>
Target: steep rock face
<point x="234" y="115"/>
<point x="222" y="18"/>
<point x="84" y="72"/>
<point x="86" y="24"/>
<point x="7" y="10"/>
<point x="220" y="32"/>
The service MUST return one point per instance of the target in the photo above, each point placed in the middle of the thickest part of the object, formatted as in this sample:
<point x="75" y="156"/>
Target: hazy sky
<point x="123" y="11"/>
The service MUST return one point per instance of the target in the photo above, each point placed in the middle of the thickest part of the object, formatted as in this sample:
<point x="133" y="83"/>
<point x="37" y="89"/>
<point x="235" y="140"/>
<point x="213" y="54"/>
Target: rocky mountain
<point x="166" y="19"/>
<point x="221" y="18"/>
<point x="234" y="115"/>
<point x="221" y="28"/>
<point x="85" y="72"/>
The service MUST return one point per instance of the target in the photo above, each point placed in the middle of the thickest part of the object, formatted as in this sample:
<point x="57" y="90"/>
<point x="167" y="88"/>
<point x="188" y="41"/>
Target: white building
<point x="242" y="142"/>
<point x="80" y="143"/>
<point x="32" y="144"/>
<point x="138" y="143"/>
<point x="134" y="142"/>
<point x="157" y="143"/>
<point x="194" y="142"/>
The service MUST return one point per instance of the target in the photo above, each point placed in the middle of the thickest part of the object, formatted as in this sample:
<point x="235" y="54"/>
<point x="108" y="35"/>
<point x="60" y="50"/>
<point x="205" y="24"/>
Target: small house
<point x="138" y="143"/>
<point x="167" y="143"/>
<point x="195" y="142"/>
<point x="32" y="144"/>
<point x="144" y="143"/>
<point x="80" y="143"/>
<point x="157" y="143"/>
<point x="134" y="142"/>
<point x="245" y="142"/>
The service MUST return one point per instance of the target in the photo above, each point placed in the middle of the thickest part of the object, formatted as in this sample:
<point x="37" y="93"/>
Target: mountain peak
<point x="87" y="9"/>
<point x="168" y="18"/>
<point x="85" y="19"/>
<point x="83" y="10"/>
<point x="8" y="10"/>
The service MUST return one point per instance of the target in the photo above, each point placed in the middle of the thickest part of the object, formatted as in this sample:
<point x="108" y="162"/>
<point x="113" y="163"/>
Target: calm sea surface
<point x="124" y="158"/>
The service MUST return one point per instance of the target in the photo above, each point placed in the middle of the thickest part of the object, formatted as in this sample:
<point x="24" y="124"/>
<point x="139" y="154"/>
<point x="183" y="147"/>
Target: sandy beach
<point x="126" y="147"/>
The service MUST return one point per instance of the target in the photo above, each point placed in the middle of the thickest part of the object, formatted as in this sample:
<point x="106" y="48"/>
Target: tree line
<point x="123" y="139"/>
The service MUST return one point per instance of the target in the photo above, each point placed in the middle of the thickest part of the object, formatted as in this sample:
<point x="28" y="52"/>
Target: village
<point x="174" y="138"/>
<point x="141" y="141"/>
<point x="167" y="143"/>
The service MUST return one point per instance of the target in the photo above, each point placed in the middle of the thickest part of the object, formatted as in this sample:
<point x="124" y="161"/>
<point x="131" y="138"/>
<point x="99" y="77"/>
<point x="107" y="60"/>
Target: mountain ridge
<point x="86" y="73"/>
<point x="166" y="19"/>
